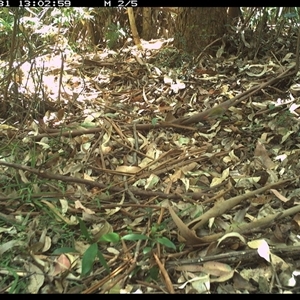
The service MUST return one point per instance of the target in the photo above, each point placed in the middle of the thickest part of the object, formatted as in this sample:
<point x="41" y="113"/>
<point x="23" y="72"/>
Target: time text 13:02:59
<point x="35" y="3"/>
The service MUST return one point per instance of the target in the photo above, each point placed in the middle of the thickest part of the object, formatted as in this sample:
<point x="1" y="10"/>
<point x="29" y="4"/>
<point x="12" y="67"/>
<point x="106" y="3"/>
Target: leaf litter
<point x="144" y="178"/>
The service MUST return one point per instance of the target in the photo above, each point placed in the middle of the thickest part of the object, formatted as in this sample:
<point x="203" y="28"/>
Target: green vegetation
<point x="124" y="161"/>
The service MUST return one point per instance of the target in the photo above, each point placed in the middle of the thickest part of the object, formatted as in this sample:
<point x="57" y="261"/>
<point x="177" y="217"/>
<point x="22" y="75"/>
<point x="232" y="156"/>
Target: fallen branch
<point x="105" y="187"/>
<point x="231" y="102"/>
<point x="260" y="223"/>
<point x="187" y="231"/>
<point x="237" y="256"/>
<point x="221" y="207"/>
<point x="207" y="114"/>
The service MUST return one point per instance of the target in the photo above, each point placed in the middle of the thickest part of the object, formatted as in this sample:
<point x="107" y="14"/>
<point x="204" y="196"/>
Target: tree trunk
<point x="198" y="27"/>
<point x="135" y="34"/>
<point x="147" y="24"/>
<point x="234" y="14"/>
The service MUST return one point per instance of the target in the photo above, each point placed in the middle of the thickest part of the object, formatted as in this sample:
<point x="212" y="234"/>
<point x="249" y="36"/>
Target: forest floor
<point x="151" y="172"/>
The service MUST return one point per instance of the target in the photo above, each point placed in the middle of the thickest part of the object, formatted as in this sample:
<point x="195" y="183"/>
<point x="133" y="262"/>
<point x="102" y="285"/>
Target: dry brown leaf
<point x="221" y="272"/>
<point x="60" y="114"/>
<point x="36" y="278"/>
<point x="261" y="152"/>
<point x="78" y="205"/>
<point x="58" y="215"/>
<point x="279" y="196"/>
<point x="239" y="283"/>
<point x="62" y="263"/>
<point x="9" y="245"/>
<point x="100" y="229"/>
<point x="187" y="234"/>
<point x="128" y="169"/>
<point x="169" y="117"/>
<point x="296" y="221"/>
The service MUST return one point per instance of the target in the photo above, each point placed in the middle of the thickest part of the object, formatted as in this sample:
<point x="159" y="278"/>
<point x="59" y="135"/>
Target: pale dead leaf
<point x="58" y="215"/>
<point x="100" y="229"/>
<point x="286" y="136"/>
<point x="231" y="234"/>
<point x="45" y="241"/>
<point x="35" y="279"/>
<point x="224" y="277"/>
<point x="85" y="147"/>
<point x="41" y="260"/>
<point x="245" y="182"/>
<point x="279" y="196"/>
<point x="87" y="177"/>
<point x="189" y="167"/>
<point x="233" y="157"/>
<point x="255" y="273"/>
<point x="64" y="205"/>
<point x="117" y="208"/>
<point x="262" y="248"/>
<point x="174" y="177"/>
<point x="5" y="127"/>
<point x="151" y="182"/>
<point x="296" y="221"/>
<point x="223" y="272"/>
<point x="169" y="117"/>
<point x="128" y="169"/>
<point x="62" y="263"/>
<point x="189" y="268"/>
<point x="218" y="180"/>
<point x="113" y="251"/>
<point x="23" y="176"/>
<point x="72" y="168"/>
<point x="9" y="245"/>
<point x="200" y="283"/>
<point x="186" y="183"/>
<point x="106" y="149"/>
<point x="177" y="86"/>
<point x="279" y="263"/>
<point x="216" y="268"/>
<point x="78" y="205"/>
<point x="144" y="139"/>
<point x="81" y="247"/>
<point x="9" y="230"/>
<point x="59" y="286"/>
<point x="168" y="80"/>
<point x="261" y="152"/>
<point x="47" y="244"/>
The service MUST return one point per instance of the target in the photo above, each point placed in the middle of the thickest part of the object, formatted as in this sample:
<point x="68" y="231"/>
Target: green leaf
<point x="154" y="229"/>
<point x="153" y="274"/>
<point x="88" y="259"/>
<point x="146" y="250"/>
<point x="166" y="242"/>
<point x="111" y="237"/>
<point x="84" y="230"/>
<point x="64" y="250"/>
<point x="154" y="121"/>
<point x="15" y="284"/>
<point x="135" y="237"/>
<point x="103" y="261"/>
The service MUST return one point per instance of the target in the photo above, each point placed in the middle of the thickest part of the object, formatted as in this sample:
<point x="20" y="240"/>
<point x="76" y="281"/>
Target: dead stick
<point x="222" y="206"/>
<point x="49" y="175"/>
<point x="231" y="102"/>
<point x="260" y="223"/>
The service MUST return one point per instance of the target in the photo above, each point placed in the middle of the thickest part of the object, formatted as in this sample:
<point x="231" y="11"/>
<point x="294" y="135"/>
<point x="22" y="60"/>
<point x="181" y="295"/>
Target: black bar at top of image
<point x="90" y="3"/>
